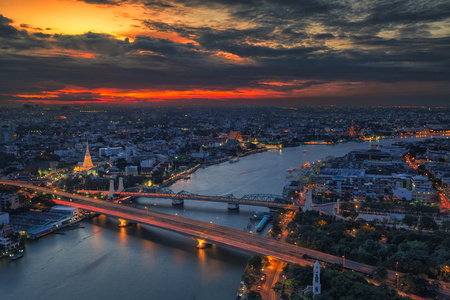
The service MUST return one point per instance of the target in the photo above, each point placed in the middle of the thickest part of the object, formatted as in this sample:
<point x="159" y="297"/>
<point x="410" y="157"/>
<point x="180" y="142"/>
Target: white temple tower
<point x="316" y="280"/>
<point x="308" y="200"/>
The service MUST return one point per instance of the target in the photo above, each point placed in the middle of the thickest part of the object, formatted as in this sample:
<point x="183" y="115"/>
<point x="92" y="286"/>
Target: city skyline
<point x="224" y="52"/>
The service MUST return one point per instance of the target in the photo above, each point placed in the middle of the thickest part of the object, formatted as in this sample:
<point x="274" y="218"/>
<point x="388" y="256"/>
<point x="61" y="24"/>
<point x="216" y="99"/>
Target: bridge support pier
<point x="120" y="184"/>
<point x="111" y="189"/>
<point x="233" y="206"/>
<point x="202" y="244"/>
<point x="177" y="201"/>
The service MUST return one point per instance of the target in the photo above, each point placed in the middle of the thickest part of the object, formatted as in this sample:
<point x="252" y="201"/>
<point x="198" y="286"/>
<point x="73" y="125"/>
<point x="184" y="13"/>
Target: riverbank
<point x="184" y="174"/>
<point x="149" y="260"/>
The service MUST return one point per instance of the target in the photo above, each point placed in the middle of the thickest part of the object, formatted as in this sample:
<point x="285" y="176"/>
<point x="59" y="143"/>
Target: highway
<point x="209" y="232"/>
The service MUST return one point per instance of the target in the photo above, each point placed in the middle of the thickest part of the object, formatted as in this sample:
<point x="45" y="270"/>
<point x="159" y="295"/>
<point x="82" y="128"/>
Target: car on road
<point x="258" y="288"/>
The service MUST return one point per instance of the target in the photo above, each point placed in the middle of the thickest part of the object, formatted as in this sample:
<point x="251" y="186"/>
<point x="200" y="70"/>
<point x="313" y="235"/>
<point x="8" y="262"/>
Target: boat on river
<point x="234" y="160"/>
<point x="15" y="256"/>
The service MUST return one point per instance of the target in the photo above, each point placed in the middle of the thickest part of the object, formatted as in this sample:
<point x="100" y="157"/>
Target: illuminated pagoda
<point x="352" y="130"/>
<point x="87" y="163"/>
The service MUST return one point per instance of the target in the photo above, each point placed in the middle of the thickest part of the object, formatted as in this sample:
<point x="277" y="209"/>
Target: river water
<point x="103" y="261"/>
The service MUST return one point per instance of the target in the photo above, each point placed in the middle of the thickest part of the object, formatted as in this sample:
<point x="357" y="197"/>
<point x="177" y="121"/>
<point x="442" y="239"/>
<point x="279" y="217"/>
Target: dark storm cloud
<point x="93" y="42"/>
<point x="12" y="38"/>
<point x="6" y="30"/>
<point x="30" y="27"/>
<point x="289" y="41"/>
<point x="386" y="15"/>
<point x="161" y="46"/>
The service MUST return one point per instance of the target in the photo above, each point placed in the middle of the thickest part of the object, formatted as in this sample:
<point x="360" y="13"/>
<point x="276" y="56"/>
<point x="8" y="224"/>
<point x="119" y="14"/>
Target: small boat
<point x="15" y="256"/>
<point x="304" y="151"/>
<point x="233" y="206"/>
<point x="234" y="160"/>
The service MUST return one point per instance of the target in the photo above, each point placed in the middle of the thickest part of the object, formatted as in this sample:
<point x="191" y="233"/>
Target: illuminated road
<point x="209" y="232"/>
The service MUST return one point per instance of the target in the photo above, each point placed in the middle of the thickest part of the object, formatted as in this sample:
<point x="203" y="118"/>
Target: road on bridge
<point x="209" y="232"/>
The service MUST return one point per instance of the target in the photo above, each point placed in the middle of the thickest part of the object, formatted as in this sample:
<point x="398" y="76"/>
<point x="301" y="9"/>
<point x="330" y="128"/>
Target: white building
<point x="402" y="193"/>
<point x="10" y="201"/>
<point x="131" y="170"/>
<point x="71" y="211"/>
<point x="109" y="151"/>
<point x="4" y="218"/>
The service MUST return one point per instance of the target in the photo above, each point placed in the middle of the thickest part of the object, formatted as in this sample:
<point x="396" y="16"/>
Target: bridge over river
<point x="209" y="232"/>
<point x="266" y="200"/>
<point x="205" y="231"/>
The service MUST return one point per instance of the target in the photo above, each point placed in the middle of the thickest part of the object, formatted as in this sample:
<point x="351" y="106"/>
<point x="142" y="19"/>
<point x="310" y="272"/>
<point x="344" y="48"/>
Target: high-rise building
<point x="7" y="133"/>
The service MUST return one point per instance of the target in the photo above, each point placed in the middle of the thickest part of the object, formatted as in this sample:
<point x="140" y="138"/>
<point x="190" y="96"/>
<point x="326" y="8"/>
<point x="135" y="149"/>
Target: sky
<point x="287" y="52"/>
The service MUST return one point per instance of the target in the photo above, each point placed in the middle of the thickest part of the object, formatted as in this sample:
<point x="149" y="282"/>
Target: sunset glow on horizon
<point x="146" y="51"/>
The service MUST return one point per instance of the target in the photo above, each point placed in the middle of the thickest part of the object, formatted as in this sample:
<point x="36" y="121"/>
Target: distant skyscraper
<point x="7" y="133"/>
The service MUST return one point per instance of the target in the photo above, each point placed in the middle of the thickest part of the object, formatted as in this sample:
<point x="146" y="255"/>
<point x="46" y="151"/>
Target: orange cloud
<point x="65" y="52"/>
<point x="80" y="95"/>
<point x="72" y="94"/>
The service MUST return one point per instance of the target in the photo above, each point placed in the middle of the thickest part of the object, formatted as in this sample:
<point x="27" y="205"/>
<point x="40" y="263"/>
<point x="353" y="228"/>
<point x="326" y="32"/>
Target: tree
<point x="254" y="295"/>
<point x="248" y="279"/>
<point x="413" y="284"/>
<point x="421" y="170"/>
<point x="428" y="223"/>
<point x="121" y="163"/>
<point x="410" y="220"/>
<point x="292" y="282"/>
<point x="255" y="262"/>
<point x="445" y="225"/>
<point x="295" y="296"/>
<point x="380" y="273"/>
<point x="6" y="159"/>
<point x="277" y="286"/>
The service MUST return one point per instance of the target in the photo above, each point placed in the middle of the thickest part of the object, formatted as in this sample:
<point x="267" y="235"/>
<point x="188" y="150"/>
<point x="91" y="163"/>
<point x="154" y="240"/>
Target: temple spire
<point x="87" y="163"/>
<point x="87" y="147"/>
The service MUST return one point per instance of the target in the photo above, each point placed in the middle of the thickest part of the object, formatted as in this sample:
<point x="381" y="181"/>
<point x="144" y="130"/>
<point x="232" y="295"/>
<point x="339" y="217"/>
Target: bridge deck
<point x="207" y="198"/>
<point x="210" y="232"/>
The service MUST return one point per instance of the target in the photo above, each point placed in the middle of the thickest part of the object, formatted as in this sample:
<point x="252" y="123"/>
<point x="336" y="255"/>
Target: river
<point x="103" y="261"/>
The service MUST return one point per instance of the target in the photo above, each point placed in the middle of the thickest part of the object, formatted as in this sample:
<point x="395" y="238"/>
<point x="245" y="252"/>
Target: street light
<point x="396" y="274"/>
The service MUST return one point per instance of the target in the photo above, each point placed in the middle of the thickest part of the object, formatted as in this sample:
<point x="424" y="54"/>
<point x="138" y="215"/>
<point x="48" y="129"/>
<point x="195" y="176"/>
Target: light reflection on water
<point x="103" y="261"/>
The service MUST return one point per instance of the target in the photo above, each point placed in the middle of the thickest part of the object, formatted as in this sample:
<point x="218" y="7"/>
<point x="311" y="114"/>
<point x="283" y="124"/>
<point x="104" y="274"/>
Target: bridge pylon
<point x="111" y="189"/>
<point x="177" y="201"/>
<point x="233" y="206"/>
<point x="120" y="185"/>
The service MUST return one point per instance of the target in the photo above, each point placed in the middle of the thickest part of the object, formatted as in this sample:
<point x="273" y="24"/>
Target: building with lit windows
<point x="422" y="189"/>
